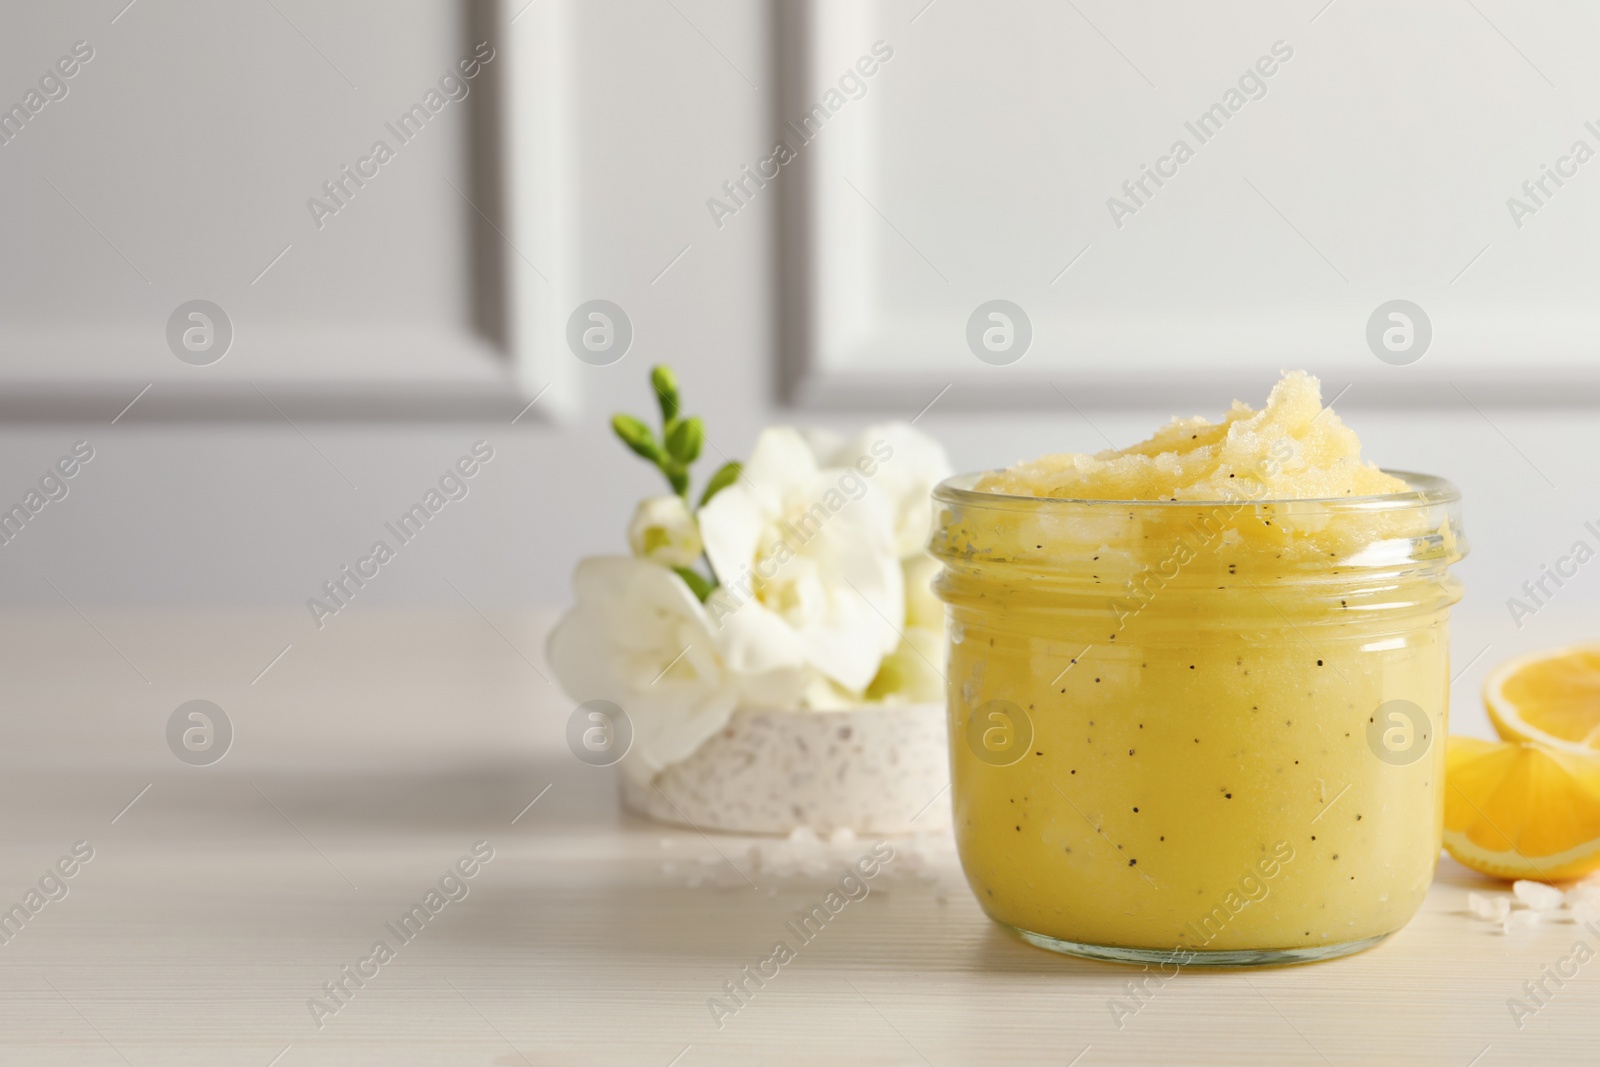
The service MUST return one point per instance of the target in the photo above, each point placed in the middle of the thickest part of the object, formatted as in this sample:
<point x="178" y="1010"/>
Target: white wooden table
<point x="372" y="756"/>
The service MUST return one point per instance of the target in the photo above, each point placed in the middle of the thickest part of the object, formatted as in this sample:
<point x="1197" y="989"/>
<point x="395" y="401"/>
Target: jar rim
<point x="1427" y="490"/>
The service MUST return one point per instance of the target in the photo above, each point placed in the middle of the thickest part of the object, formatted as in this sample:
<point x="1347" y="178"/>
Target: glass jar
<point x="1199" y="732"/>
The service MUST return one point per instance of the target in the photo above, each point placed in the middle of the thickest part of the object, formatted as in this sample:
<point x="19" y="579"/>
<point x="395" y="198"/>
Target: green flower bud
<point x="726" y="475"/>
<point x="685" y="440"/>
<point x="665" y="384"/>
<point x="639" y="437"/>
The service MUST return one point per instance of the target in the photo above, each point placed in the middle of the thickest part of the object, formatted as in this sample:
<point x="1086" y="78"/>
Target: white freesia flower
<point x="915" y="671"/>
<point x="824" y="444"/>
<point x="663" y="530"/>
<point x="806" y="556"/>
<point x="904" y="464"/>
<point x="638" y="637"/>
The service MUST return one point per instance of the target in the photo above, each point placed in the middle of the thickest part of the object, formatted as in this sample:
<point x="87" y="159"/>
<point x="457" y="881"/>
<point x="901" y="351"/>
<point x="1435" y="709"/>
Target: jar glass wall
<point x="1210" y="732"/>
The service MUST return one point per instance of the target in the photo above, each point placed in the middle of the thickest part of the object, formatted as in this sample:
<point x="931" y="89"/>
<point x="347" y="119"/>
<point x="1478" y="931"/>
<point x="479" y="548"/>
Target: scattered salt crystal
<point x="842" y="836"/>
<point x="1585" y="911"/>
<point x="1585" y="892"/>
<point x="1537" y="895"/>
<point x="669" y="868"/>
<point x="803" y="835"/>
<point x="1521" y="921"/>
<point x="1494" y="908"/>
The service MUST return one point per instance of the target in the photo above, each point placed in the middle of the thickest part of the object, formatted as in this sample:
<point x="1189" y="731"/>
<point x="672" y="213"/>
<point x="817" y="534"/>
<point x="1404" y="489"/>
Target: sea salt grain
<point x="1494" y="909"/>
<point x="1583" y="893"/>
<point x="1521" y="921"/>
<point x="1537" y="895"/>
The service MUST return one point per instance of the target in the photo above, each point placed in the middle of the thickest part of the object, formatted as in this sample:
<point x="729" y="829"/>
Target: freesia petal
<point x="825" y="445"/>
<point x="730" y="527"/>
<point x="753" y="640"/>
<point x="781" y="457"/>
<point x="914" y="673"/>
<point x="908" y="464"/>
<point x="638" y="637"/>
<point x="865" y="596"/>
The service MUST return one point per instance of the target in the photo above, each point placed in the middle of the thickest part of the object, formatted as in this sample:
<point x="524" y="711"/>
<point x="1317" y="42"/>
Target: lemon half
<point x="1522" y="809"/>
<point x="1552" y="697"/>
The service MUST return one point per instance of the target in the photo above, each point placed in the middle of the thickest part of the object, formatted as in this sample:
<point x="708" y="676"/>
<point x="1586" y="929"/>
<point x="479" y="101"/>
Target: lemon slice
<point x="1552" y="697"/>
<point x="1519" y="809"/>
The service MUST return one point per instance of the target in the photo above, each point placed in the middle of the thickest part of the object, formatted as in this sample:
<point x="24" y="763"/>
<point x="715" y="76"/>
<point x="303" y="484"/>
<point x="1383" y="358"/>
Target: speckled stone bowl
<point x="880" y="769"/>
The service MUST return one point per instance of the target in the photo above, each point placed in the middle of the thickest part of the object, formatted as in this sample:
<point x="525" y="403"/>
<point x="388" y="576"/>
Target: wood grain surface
<point x="374" y="754"/>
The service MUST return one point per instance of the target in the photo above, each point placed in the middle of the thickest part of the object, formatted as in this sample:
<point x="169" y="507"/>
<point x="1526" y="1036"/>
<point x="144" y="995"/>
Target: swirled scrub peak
<point x="1294" y="448"/>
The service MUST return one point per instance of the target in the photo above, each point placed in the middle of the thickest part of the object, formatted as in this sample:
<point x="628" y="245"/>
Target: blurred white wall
<point x="259" y="514"/>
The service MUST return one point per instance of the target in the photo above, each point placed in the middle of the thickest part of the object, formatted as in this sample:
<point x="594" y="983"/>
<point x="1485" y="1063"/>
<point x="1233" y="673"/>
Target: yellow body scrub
<point x="1198" y="689"/>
